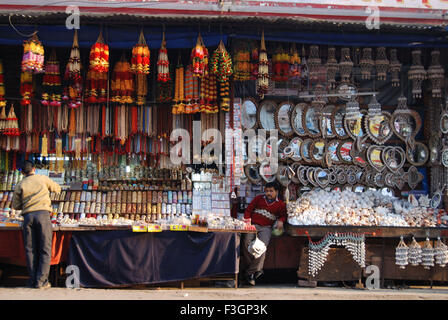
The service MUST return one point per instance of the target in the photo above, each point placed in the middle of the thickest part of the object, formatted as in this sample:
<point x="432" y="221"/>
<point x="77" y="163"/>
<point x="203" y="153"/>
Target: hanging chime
<point x="366" y="63"/>
<point x="394" y="68"/>
<point x="314" y="63"/>
<point x="52" y="90"/>
<point x="73" y="82"/>
<point x="2" y="86"/>
<point x="381" y="63"/>
<point x="441" y="253"/>
<point x="417" y="74"/>
<point x="263" y="70"/>
<point x="332" y="67"/>
<point x="415" y="253"/>
<point x="436" y="74"/>
<point x="345" y="65"/>
<point x="33" y="55"/>
<point x="401" y="254"/>
<point x="427" y="255"/>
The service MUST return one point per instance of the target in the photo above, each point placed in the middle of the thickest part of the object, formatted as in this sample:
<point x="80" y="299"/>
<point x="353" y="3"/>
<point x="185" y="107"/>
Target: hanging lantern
<point x="73" y="82"/>
<point x="436" y="74"/>
<point x="263" y="70"/>
<point x="417" y="74"/>
<point x="441" y="253"/>
<point x="332" y="67"/>
<point x="427" y="255"/>
<point x="33" y="55"/>
<point x="199" y="58"/>
<point x="122" y="84"/>
<point x="346" y="65"/>
<point x="394" y="68"/>
<point x="163" y="65"/>
<point x="381" y="63"/>
<point x="294" y="62"/>
<point x="314" y="63"/>
<point x="52" y="89"/>
<point x="415" y="253"/>
<point x="374" y="108"/>
<point x="99" y="56"/>
<point x="366" y="63"/>
<point x="140" y="63"/>
<point x="2" y="86"/>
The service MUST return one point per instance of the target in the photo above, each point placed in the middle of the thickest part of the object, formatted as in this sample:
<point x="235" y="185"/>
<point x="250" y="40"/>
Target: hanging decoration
<point x="441" y="253"/>
<point x="374" y="108"/>
<point x="318" y="251"/>
<point x="394" y="68"/>
<point x="332" y="67"/>
<point x="209" y="94"/>
<point x="199" y="58"/>
<point x="96" y="87"/>
<point x="122" y="84"/>
<point x="254" y="60"/>
<point x="141" y="56"/>
<point x="381" y="63"/>
<point x="417" y="74"/>
<point x="178" y="106"/>
<point x="280" y="65"/>
<point x="2" y="86"/>
<point x="352" y="109"/>
<point x="163" y="65"/>
<point x="401" y="254"/>
<point x="366" y="63"/>
<point x="346" y="65"/>
<point x="436" y="74"/>
<point x="242" y="65"/>
<point x="99" y="56"/>
<point x="141" y="89"/>
<point x="52" y="89"/>
<point x="11" y="124"/>
<point x="189" y="88"/>
<point x="294" y="63"/>
<point x="221" y="63"/>
<point x="2" y="119"/>
<point x="73" y="82"/>
<point x="427" y="255"/>
<point x="314" y="63"/>
<point x="33" y="55"/>
<point x="26" y="88"/>
<point x="415" y="253"/>
<point x="263" y="70"/>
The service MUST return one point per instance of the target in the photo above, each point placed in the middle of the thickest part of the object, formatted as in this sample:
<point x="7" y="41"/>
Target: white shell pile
<point x="415" y="253"/>
<point x="427" y="255"/>
<point x="441" y="253"/>
<point x="401" y="254"/>
<point x="370" y="208"/>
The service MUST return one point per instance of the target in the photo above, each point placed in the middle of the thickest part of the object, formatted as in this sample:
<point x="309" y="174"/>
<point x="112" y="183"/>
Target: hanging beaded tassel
<point x="415" y="253"/>
<point x="33" y="55"/>
<point x="427" y="255"/>
<point x="332" y="67"/>
<point x="52" y="89"/>
<point x="122" y="84"/>
<point x="73" y="82"/>
<point x="26" y="88"/>
<point x="374" y="108"/>
<point x="381" y="63"/>
<point x="366" y="63"/>
<point x="294" y="64"/>
<point x="163" y="65"/>
<point x="417" y="74"/>
<point x="394" y="68"/>
<point x="436" y="74"/>
<point x="2" y="87"/>
<point x="141" y="56"/>
<point x="199" y="59"/>
<point x="441" y="253"/>
<point x="263" y="70"/>
<point x="346" y="65"/>
<point x="352" y="109"/>
<point x="314" y="63"/>
<point x="401" y="254"/>
<point x="11" y="124"/>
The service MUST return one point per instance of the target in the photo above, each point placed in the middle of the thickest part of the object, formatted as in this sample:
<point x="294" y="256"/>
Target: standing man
<point x="32" y="196"/>
<point x="264" y="211"/>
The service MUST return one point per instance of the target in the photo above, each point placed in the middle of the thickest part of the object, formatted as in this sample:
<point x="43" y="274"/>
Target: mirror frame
<point x="414" y="114"/>
<point x="301" y="173"/>
<point x="327" y="116"/>
<point x="333" y="123"/>
<point x="279" y="175"/>
<point x="277" y="123"/>
<point x="362" y="113"/>
<point x="256" y="113"/>
<point x="341" y="159"/>
<point x="302" y="106"/>
<point x="316" y="174"/>
<point x="409" y="158"/>
<point x="293" y="156"/>
<point x="327" y="151"/>
<point x="396" y="149"/>
<point x="302" y="148"/>
<point x="246" y="172"/>
<point x="259" y="110"/>
<point x="316" y="161"/>
<point x="274" y="176"/>
<point x="443" y="115"/>
<point x="312" y="135"/>
<point x="377" y="140"/>
<point x="369" y="159"/>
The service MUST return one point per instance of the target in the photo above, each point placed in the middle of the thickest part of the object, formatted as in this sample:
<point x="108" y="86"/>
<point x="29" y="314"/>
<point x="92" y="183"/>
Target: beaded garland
<point x="163" y="64"/>
<point x="52" y="89"/>
<point x="73" y="82"/>
<point x="122" y="84"/>
<point x="199" y="58"/>
<point x="141" y="56"/>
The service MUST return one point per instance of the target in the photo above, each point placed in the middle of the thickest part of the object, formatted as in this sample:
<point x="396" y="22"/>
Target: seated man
<point x="264" y="211"/>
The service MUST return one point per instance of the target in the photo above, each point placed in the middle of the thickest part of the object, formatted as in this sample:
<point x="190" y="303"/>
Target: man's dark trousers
<point x="37" y="237"/>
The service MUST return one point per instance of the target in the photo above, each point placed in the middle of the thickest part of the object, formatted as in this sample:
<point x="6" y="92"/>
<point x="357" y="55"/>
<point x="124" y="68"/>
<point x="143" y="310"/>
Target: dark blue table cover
<point x="119" y="258"/>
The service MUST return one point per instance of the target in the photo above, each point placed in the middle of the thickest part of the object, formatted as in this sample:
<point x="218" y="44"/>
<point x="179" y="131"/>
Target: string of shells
<point x="427" y="255"/>
<point x="348" y="208"/>
<point x="417" y="74"/>
<point x="394" y="68"/>
<point x="415" y="253"/>
<point x="401" y="254"/>
<point x="441" y="253"/>
<point x="332" y="67"/>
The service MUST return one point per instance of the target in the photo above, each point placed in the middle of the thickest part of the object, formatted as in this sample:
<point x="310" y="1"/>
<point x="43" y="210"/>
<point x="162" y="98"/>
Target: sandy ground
<point x="271" y="292"/>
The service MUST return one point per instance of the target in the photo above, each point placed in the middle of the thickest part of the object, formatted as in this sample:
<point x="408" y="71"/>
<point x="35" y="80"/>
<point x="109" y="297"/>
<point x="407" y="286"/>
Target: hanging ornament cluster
<point x="199" y="58"/>
<point x="352" y="109"/>
<point x="332" y="67"/>
<point x="436" y="74"/>
<point x="208" y="95"/>
<point x="122" y="84"/>
<point x="374" y="108"/>
<point x="381" y="63"/>
<point x="345" y="65"/>
<point x="178" y="106"/>
<point x="441" y="253"/>
<point x="417" y="74"/>
<point x="52" y="88"/>
<point x="263" y="70"/>
<point x="141" y="83"/>
<point x="26" y="88"/>
<point x="314" y="63"/>
<point x="242" y="65"/>
<point x="141" y="56"/>
<point x="191" y="87"/>
<point x="99" y="56"/>
<point x="318" y="251"/>
<point x="73" y="82"/>
<point x="11" y="124"/>
<point x="96" y="87"/>
<point x="294" y="64"/>
<point x="366" y="63"/>
<point x="415" y="253"/>
<point x="254" y="60"/>
<point x="163" y="64"/>
<point x="427" y="255"/>
<point x="401" y="254"/>
<point x="221" y="63"/>
<point x="2" y="86"/>
<point x="394" y="68"/>
<point x="280" y="65"/>
<point x="33" y="55"/>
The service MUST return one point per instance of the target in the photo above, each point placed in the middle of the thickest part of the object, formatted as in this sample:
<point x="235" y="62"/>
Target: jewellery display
<point x="401" y="254"/>
<point x="318" y="251"/>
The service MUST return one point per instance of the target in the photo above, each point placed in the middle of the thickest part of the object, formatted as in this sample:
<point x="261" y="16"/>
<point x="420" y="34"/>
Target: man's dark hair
<point x="27" y="167"/>
<point x="273" y="184"/>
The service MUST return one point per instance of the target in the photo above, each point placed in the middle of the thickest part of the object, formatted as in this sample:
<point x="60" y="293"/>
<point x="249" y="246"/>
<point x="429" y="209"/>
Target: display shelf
<point x="370" y="231"/>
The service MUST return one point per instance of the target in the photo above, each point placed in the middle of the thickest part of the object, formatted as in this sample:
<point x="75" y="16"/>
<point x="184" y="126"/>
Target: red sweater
<point x="263" y="213"/>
